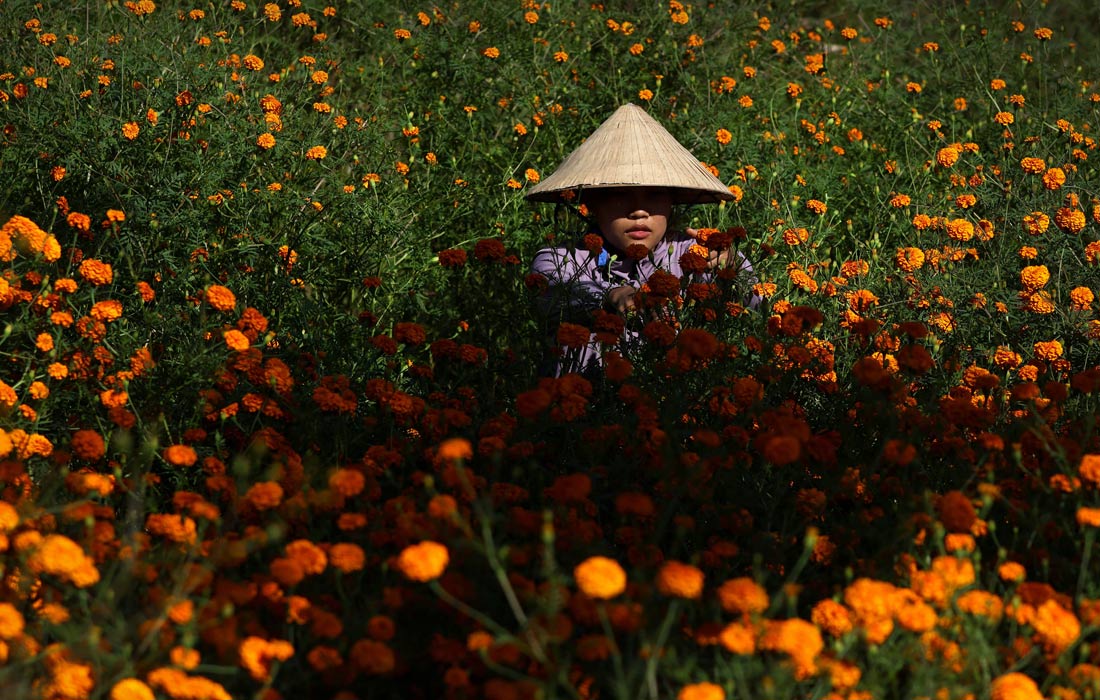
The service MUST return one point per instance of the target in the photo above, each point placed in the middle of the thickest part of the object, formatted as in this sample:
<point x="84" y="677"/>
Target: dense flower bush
<point x="273" y="424"/>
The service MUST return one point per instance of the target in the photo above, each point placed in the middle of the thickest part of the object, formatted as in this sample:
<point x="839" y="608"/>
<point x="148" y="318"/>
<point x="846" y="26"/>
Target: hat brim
<point x="631" y="149"/>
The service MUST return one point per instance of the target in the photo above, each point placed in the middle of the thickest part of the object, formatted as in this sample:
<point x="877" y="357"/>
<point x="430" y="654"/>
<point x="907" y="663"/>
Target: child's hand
<point x="715" y="259"/>
<point x="620" y="299"/>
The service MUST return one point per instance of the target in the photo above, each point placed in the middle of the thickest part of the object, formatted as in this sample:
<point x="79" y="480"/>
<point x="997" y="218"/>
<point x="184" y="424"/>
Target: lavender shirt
<point x="579" y="282"/>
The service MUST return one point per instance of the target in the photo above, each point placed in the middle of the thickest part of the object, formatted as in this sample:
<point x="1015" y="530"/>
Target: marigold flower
<point x="236" y="340"/>
<point x="680" y="580"/>
<point x="1057" y="627"/>
<point x="723" y="136"/>
<point x="180" y="455"/>
<point x="264" y="495"/>
<point x="701" y="691"/>
<point x="1088" y="517"/>
<point x="11" y="621"/>
<point x="797" y="638"/>
<point x="909" y="259"/>
<point x="88" y="445"/>
<point x="947" y="156"/>
<point x="423" y="562"/>
<point x="95" y="272"/>
<point x="316" y="153"/>
<point x="1033" y="165"/>
<point x="1014" y="686"/>
<point x="600" y="577"/>
<point x="743" y="596"/>
<point x="257" y="655"/>
<point x="1054" y="178"/>
<point x="130" y="130"/>
<point x="457" y="448"/>
<point x="1089" y="469"/>
<point x="131" y="689"/>
<point x="265" y="140"/>
<point x="738" y="638"/>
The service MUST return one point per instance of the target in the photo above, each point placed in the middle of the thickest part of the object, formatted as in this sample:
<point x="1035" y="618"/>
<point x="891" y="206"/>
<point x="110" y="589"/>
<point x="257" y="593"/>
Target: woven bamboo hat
<point x="632" y="149"/>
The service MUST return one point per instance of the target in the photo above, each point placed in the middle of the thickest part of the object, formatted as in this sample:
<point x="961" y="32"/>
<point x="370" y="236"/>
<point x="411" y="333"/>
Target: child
<point x="629" y="173"/>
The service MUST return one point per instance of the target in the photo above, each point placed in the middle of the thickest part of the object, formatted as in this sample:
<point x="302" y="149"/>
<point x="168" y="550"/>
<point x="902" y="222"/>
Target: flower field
<point x="274" y="421"/>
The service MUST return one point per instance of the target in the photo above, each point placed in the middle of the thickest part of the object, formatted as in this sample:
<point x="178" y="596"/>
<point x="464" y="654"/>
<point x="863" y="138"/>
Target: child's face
<point x="629" y="215"/>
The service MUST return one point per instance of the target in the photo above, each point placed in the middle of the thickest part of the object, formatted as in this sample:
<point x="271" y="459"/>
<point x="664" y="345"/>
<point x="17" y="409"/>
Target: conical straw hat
<point x="631" y="149"/>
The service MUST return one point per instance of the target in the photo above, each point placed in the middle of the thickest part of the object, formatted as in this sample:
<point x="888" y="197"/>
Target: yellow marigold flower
<point x="680" y="580"/>
<point x="701" y="691"/>
<point x="316" y="153"/>
<point x="423" y="562"/>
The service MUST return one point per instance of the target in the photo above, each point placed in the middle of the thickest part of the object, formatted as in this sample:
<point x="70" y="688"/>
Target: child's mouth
<point x="639" y="234"/>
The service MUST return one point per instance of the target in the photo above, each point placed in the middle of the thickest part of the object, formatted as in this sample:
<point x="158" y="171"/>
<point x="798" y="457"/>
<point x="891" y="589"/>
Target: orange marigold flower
<point x="180" y="455"/>
<point x="131" y="689"/>
<point x="1088" y="517"/>
<point x="423" y="562"/>
<point x="316" y="153"/>
<point x="1054" y="178"/>
<point x="797" y="638"/>
<point x="909" y="259"/>
<point x="236" y="340"/>
<point x="96" y="272"/>
<point x="257" y="655"/>
<point x="1014" y="686"/>
<point x="130" y="130"/>
<point x="600" y="577"/>
<point x="264" y="495"/>
<point x="738" y="638"/>
<point x="832" y="617"/>
<point x="1057" y="627"/>
<point x="743" y="595"/>
<point x="1033" y="165"/>
<point x="88" y="445"/>
<point x="680" y="580"/>
<point x="1089" y="469"/>
<point x="947" y="156"/>
<point x="347" y="557"/>
<point x="309" y="556"/>
<point x="701" y="691"/>
<point x="723" y="136"/>
<point x="11" y="621"/>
